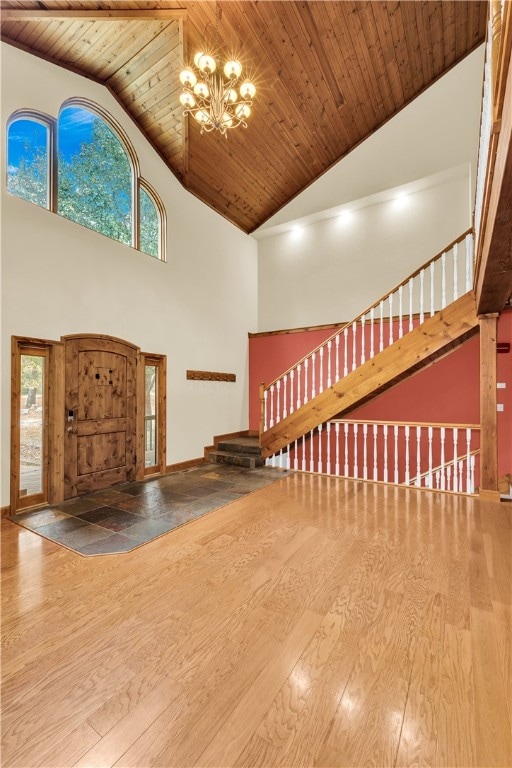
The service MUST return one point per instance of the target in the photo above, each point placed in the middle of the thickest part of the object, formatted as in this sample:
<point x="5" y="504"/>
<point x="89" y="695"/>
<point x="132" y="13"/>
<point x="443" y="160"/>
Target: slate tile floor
<point x="124" y="517"/>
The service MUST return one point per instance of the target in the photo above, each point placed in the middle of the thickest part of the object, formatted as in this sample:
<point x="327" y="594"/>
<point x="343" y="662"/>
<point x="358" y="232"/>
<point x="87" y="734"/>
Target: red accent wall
<point x="447" y="392"/>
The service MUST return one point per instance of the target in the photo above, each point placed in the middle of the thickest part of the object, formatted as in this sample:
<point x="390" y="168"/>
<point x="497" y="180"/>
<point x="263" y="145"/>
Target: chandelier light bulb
<point x="197" y="57"/>
<point x="227" y="120"/>
<point x="231" y="95"/>
<point x="188" y="78"/>
<point x="243" y="111"/>
<point x="247" y="90"/>
<point x="202" y="117"/>
<point x="232" y="69"/>
<point x="187" y="100"/>
<point x="206" y="64"/>
<point x="201" y="90"/>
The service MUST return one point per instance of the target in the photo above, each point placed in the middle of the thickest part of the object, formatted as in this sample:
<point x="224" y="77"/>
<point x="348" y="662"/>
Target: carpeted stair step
<point x="249" y="460"/>
<point x="241" y="445"/>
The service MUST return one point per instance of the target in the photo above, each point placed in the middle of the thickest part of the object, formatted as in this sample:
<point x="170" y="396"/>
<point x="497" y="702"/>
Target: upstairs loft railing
<point x="498" y="49"/>
<point x="427" y="290"/>
<point x="434" y="456"/>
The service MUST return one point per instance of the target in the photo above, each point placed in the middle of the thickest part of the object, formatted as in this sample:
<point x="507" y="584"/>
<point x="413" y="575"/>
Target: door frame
<point x="55" y="416"/>
<point x="53" y="447"/>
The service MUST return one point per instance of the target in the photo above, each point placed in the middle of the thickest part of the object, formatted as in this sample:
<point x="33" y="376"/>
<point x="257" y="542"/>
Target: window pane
<point x="149" y="225"/>
<point x="151" y="372"/>
<point x="31" y="424"/>
<point x="95" y="187"/>
<point x="27" y="164"/>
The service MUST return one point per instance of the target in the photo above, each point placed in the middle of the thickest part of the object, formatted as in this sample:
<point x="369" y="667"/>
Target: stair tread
<point x="241" y="445"/>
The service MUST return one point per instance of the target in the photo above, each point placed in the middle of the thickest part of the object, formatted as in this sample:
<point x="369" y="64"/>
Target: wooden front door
<point x="100" y="419"/>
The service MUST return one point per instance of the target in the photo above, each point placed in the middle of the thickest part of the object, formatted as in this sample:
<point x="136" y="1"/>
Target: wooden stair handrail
<point x="372" y="306"/>
<point x="443" y="466"/>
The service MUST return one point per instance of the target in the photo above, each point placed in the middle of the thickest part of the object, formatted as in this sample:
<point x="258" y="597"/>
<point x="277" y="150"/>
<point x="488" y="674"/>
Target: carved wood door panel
<point x="101" y="407"/>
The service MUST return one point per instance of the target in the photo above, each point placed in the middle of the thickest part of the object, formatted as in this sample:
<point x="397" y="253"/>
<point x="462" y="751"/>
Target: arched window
<point x="98" y="179"/>
<point x="95" y="176"/>
<point x="28" y="157"/>
<point x="151" y="221"/>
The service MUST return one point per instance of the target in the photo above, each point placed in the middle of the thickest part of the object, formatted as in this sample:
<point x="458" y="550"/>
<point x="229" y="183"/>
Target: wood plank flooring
<point x="316" y="622"/>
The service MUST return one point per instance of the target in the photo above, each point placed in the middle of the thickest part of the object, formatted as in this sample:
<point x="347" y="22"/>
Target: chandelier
<point x="211" y="96"/>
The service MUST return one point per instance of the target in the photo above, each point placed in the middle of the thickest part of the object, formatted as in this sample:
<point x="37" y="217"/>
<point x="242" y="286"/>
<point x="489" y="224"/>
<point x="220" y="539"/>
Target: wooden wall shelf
<point x="210" y="376"/>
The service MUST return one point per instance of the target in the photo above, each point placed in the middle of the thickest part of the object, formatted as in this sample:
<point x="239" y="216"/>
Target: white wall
<point x="60" y="278"/>
<point x="330" y="270"/>
<point x="436" y="131"/>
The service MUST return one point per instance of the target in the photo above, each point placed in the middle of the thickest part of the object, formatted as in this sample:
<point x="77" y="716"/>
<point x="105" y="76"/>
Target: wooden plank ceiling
<point x="327" y="74"/>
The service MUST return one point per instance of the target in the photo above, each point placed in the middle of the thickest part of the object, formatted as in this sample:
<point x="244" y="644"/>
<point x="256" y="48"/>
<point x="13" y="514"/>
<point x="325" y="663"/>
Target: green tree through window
<point x="95" y="179"/>
<point x="94" y="176"/>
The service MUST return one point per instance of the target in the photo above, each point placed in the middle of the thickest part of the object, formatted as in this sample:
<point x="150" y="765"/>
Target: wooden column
<point x="488" y="417"/>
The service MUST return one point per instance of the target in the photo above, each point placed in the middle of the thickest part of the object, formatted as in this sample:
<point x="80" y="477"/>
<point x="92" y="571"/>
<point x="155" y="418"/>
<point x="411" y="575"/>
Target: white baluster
<point x="311" y="461"/>
<point x="329" y="380"/>
<point x="429" y="476"/>
<point x="407" y="478"/>
<point x="345" y="342"/>
<point x="390" y="319"/>
<point x="356" y="466"/>
<point x="418" y="457"/>
<point x="271" y="406"/>
<point x="321" y="371"/>
<point x="329" y="449"/>
<point x="385" y="430"/>
<point x="345" y="429"/>
<point x="443" y="434"/>
<point x="337" y="435"/>
<point x="468" y="460"/>
<point x="381" y="333"/>
<point x="320" y="466"/>
<point x="469" y="261"/>
<point x="285" y="382"/>
<point x="455" y="273"/>
<point x="303" y="465"/>
<point x="437" y="476"/>
<point x="446" y="477"/>
<point x="472" y="486"/>
<point x="354" y="334"/>
<point x="400" y="314"/>
<point x="278" y="411"/>
<point x="443" y="280"/>
<point x="296" y="457"/>
<point x="422" y="298"/>
<point x="292" y="380"/>
<point x="265" y="396"/>
<point x="461" y="475"/>
<point x="299" y="370"/>
<point x="411" y="325"/>
<point x="306" y="366"/>
<point x="432" y="301"/>
<point x="365" y="451"/>
<point x="313" y="375"/>
<point x="395" y="474"/>
<point x="362" y="340"/>
<point x="375" y="465"/>
<point x="455" y="454"/>
<point x="337" y="357"/>
<point x="372" y="353"/>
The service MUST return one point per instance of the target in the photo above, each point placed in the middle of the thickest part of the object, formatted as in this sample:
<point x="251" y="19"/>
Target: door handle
<point x="71" y="430"/>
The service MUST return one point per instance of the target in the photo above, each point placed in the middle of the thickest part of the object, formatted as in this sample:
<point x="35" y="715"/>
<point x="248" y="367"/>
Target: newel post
<point x="488" y="406"/>
<point x="262" y="409"/>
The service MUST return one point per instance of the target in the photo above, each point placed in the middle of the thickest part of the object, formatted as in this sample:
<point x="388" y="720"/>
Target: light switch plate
<point x="500" y="407"/>
<point x="501" y="385"/>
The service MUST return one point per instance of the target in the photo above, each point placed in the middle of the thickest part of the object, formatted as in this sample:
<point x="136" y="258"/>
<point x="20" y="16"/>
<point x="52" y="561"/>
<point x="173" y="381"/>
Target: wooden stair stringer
<point x="433" y="339"/>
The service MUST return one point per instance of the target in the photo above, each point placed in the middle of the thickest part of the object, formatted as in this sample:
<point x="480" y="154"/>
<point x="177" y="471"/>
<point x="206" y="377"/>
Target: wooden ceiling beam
<point x="116" y="14"/>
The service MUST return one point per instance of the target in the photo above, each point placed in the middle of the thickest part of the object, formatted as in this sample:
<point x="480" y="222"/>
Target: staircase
<point x="417" y="322"/>
<point x="239" y="451"/>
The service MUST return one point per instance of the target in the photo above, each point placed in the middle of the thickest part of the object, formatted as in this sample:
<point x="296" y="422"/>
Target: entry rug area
<point x="126" y="516"/>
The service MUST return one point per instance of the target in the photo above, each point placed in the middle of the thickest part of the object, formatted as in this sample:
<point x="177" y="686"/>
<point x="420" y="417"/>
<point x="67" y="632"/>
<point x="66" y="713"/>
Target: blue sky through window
<point x="75" y="128"/>
<point x="26" y="139"/>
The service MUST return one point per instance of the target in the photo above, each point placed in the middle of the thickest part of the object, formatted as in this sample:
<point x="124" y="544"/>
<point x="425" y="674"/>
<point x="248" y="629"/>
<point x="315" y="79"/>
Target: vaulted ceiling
<point x="328" y="74"/>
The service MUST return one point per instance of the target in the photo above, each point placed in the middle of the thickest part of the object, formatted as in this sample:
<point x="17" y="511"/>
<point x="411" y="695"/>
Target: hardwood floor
<point x="316" y="622"/>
